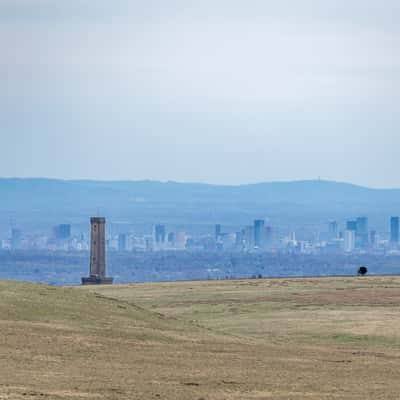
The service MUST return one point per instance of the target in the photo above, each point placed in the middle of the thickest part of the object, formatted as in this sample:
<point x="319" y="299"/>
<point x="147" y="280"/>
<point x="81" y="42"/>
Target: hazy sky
<point x="219" y="91"/>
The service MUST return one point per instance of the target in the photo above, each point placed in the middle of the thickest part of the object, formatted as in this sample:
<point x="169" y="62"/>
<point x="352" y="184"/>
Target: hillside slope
<point x="252" y="340"/>
<point x="62" y="343"/>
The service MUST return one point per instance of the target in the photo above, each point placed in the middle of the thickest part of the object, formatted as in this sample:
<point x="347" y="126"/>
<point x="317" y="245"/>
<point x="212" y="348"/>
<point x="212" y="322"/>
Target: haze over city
<point x="212" y="91"/>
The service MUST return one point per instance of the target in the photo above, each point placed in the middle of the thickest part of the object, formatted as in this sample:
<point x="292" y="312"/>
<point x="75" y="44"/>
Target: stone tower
<point x="97" y="254"/>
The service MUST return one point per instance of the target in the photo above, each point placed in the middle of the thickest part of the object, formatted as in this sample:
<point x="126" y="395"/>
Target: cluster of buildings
<point x="358" y="236"/>
<point x="159" y="240"/>
<point x="60" y="239"/>
<point x="355" y="236"/>
<point x="252" y="237"/>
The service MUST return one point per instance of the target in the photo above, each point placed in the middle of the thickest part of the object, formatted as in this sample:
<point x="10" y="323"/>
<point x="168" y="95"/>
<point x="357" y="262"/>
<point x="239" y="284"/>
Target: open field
<point x="323" y="338"/>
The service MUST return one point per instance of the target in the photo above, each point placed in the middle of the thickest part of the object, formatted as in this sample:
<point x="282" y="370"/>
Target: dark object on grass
<point x="362" y="271"/>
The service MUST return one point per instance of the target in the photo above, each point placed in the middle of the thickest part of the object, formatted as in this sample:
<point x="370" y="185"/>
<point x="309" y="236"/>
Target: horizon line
<point x="316" y="180"/>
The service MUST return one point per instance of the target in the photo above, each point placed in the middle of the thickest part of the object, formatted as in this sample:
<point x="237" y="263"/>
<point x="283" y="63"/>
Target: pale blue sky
<point x="210" y="91"/>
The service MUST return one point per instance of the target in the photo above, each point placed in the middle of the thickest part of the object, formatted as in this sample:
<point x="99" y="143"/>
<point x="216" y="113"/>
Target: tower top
<point x="97" y="220"/>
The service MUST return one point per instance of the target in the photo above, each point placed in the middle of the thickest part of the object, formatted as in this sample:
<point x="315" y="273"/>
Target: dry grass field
<point x="325" y="338"/>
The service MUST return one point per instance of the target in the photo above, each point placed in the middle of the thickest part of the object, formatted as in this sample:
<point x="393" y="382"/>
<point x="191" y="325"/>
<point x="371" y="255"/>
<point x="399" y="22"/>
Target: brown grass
<point x="335" y="338"/>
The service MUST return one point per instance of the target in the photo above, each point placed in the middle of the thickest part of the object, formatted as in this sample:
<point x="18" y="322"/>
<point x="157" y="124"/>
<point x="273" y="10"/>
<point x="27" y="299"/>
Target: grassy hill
<point x="324" y="338"/>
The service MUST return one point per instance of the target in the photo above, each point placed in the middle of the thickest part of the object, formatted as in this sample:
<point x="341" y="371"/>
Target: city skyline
<point x="345" y="236"/>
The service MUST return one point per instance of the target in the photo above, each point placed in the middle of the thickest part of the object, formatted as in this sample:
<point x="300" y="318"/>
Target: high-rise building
<point x="159" y="234"/>
<point x="248" y="237"/>
<point x="239" y="242"/>
<point x="349" y="241"/>
<point x="62" y="232"/>
<point x="97" y="254"/>
<point x="16" y="237"/>
<point x="171" y="238"/>
<point x="228" y="241"/>
<point x="149" y="244"/>
<point x="394" y="230"/>
<point x="218" y="232"/>
<point x="373" y="239"/>
<point x="122" y="242"/>
<point x="259" y="233"/>
<point x="268" y="236"/>
<point x="180" y="240"/>
<point x="362" y="234"/>
<point x="351" y="225"/>
<point x="333" y="230"/>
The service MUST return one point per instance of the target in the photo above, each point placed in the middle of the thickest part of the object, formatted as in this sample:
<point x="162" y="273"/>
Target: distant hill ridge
<point x="144" y="202"/>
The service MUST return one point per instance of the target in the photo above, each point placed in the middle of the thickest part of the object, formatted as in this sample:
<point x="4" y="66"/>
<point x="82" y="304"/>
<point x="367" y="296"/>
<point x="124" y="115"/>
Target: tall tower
<point x="362" y="232"/>
<point x="333" y="230"/>
<point x="217" y="231"/>
<point x="259" y="233"/>
<point x="97" y="254"/>
<point x="394" y="230"/>
<point x="349" y="240"/>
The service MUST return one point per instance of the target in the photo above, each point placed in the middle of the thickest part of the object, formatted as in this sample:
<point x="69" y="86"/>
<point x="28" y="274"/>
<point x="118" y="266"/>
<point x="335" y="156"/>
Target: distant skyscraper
<point x="259" y="233"/>
<point x="171" y="238"/>
<point x="217" y="232"/>
<point x="16" y="237"/>
<point x="239" y="240"/>
<point x="394" y="230"/>
<point x="228" y="241"/>
<point x="351" y="226"/>
<point x="248" y="237"/>
<point x="349" y="241"/>
<point x="268" y="236"/>
<point x="62" y="232"/>
<point x="122" y="242"/>
<point x="149" y="244"/>
<point x="180" y="240"/>
<point x="373" y="239"/>
<point x="159" y="234"/>
<point x="333" y="230"/>
<point x="362" y="234"/>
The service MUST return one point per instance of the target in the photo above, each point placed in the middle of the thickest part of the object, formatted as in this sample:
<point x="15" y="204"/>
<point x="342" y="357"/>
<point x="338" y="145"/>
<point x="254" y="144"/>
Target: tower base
<point x="96" y="280"/>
